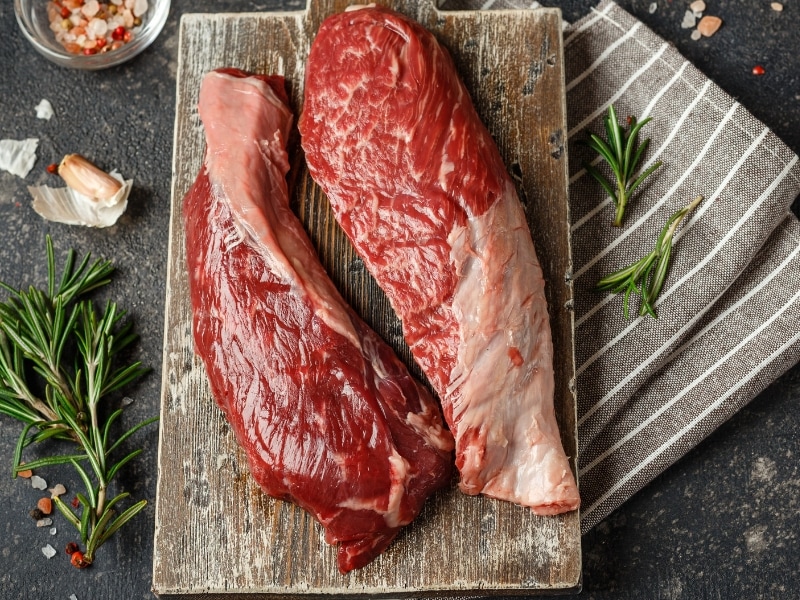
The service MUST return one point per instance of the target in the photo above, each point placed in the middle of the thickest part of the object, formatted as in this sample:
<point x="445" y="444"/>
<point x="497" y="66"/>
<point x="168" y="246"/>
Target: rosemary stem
<point x="622" y="201"/>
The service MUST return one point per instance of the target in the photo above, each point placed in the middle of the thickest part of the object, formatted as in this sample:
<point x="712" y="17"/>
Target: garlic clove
<point x="87" y="179"/>
<point x="65" y="205"/>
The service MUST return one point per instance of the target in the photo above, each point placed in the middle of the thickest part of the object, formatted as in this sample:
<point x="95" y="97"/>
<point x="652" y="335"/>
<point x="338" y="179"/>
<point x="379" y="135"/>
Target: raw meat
<point x="417" y="183"/>
<point x="329" y="416"/>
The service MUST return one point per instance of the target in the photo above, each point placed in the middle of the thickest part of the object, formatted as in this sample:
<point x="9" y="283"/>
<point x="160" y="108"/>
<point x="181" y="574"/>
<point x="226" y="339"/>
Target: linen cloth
<point x="729" y="313"/>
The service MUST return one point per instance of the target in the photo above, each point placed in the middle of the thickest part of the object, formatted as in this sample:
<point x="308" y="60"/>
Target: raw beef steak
<point x="329" y="417"/>
<point x="417" y="183"/>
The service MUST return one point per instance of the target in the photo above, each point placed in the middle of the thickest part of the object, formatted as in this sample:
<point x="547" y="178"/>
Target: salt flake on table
<point x="57" y="490"/>
<point x="53" y="531"/>
<point x="49" y="551"/>
<point x="44" y="110"/>
<point x="38" y="483"/>
<point x="689" y="20"/>
<point x="17" y="156"/>
<point x="653" y="7"/>
<point x="73" y="597"/>
<point x="44" y="522"/>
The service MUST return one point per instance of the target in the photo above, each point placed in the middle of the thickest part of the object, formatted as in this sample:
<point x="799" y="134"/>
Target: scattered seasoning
<point x="73" y="597"/>
<point x="709" y="25"/>
<point x="38" y="483"/>
<point x="26" y="473"/>
<point x="88" y="26"/>
<point x="57" y="490"/>
<point x="49" y="551"/>
<point x="758" y="70"/>
<point x="44" y="110"/>
<point x="71" y="548"/>
<point x="696" y="35"/>
<point x="45" y="505"/>
<point x="698" y="6"/>
<point x="689" y="20"/>
<point x="44" y="522"/>
<point x="36" y="514"/>
<point x="652" y="8"/>
<point x="776" y="6"/>
<point x="53" y="531"/>
<point x="52" y="168"/>
<point x="78" y="561"/>
<point x="75" y="502"/>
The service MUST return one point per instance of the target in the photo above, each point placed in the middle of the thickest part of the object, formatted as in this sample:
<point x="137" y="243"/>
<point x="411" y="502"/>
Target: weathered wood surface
<point x="217" y="534"/>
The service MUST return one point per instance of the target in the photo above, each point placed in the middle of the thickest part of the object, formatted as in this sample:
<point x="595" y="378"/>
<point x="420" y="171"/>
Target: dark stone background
<point x="722" y="523"/>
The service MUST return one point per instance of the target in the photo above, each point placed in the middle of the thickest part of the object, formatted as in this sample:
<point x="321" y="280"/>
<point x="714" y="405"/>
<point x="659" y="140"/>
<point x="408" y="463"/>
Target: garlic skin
<point x="87" y="179"/>
<point x="70" y="206"/>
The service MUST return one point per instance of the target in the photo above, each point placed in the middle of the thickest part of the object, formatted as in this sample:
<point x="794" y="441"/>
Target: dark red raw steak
<point x="417" y="183"/>
<point x="329" y="417"/>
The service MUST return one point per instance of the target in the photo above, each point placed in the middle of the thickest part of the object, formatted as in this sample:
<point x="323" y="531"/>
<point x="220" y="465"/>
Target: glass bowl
<point x="35" y="24"/>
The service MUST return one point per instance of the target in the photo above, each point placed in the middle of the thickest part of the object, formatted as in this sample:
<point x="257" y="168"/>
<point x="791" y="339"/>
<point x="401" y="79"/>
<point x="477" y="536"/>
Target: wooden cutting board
<point x="216" y="533"/>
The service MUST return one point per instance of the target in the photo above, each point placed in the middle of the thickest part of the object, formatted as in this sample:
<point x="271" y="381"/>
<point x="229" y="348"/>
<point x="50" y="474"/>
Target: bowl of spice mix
<point x="91" y="34"/>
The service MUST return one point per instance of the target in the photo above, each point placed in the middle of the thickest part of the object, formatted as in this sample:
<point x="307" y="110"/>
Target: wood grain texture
<point x="217" y="534"/>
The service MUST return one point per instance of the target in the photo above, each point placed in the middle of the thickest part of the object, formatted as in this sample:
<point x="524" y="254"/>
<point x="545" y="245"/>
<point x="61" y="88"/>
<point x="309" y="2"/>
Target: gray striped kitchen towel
<point x="650" y="390"/>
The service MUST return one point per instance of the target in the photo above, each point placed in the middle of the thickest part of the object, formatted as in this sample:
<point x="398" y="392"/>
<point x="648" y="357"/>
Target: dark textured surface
<point x="723" y="523"/>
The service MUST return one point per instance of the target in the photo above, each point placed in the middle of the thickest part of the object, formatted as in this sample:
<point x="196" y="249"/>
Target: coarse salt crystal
<point x="53" y="531"/>
<point x="129" y="4"/>
<point x="97" y="28"/>
<point x="57" y="490"/>
<point x="38" y="483"/>
<point x="127" y="18"/>
<point x="73" y="597"/>
<point x="652" y="8"/>
<point x="697" y="6"/>
<point x="44" y="522"/>
<point x="708" y="25"/>
<point x="44" y="110"/>
<point x="90" y="9"/>
<point x="49" y="551"/>
<point x="689" y="20"/>
<point x="696" y="35"/>
<point x="776" y="6"/>
<point x="139" y="7"/>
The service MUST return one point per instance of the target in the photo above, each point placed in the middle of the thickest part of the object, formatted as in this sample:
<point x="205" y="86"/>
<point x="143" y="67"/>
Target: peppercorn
<point x="36" y="514"/>
<point x="52" y="168"/>
<point x="71" y="548"/>
<point x="78" y="561"/>
<point x="758" y="70"/>
<point x="118" y="33"/>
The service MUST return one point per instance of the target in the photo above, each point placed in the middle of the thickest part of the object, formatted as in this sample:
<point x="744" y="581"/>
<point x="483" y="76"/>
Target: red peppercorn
<point x="118" y="33"/>
<point x="75" y="502"/>
<point x="100" y="43"/>
<point x="758" y="70"/>
<point x="65" y="12"/>
<point x="52" y="169"/>
<point x="89" y="51"/>
<point x="127" y="37"/>
<point x="78" y="561"/>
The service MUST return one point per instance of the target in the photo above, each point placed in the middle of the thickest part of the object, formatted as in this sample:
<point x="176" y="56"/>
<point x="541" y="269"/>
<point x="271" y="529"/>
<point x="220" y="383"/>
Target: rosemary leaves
<point x="622" y="155"/>
<point x="646" y="276"/>
<point x="58" y="364"/>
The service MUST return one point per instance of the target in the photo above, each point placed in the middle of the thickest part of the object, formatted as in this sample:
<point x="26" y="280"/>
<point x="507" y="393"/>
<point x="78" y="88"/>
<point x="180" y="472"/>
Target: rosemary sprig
<point x="622" y="155"/>
<point x="58" y="358"/>
<point x="646" y="276"/>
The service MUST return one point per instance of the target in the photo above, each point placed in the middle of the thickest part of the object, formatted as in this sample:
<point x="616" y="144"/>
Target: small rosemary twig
<point x="623" y="157"/>
<point x="55" y="342"/>
<point x="646" y="276"/>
